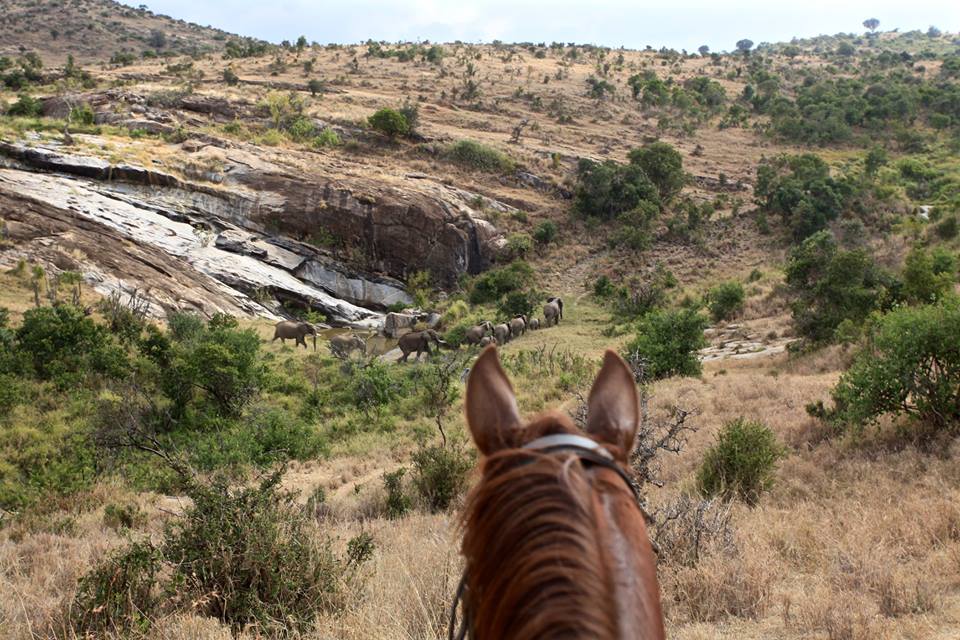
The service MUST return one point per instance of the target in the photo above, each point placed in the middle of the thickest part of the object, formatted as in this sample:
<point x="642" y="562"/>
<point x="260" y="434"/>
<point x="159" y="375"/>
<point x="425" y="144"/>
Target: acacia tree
<point x="745" y="45"/>
<point x="703" y="50"/>
<point x="871" y="24"/>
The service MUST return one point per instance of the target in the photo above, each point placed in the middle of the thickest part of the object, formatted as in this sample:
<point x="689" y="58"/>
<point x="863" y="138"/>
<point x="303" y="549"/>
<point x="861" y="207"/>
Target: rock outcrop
<point x="263" y="233"/>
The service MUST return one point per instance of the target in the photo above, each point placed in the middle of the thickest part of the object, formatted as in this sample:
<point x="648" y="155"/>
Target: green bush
<point x="252" y="547"/>
<point x="230" y="77"/>
<point x="663" y="165"/>
<point x="374" y="388"/>
<point x="301" y="129"/>
<point x="389" y="122"/>
<point x="923" y="281"/>
<point x="398" y="502"/>
<point x="801" y="190"/>
<point x="829" y="286"/>
<point x="603" y="287"/>
<point x="948" y="228"/>
<point x="496" y="283"/>
<point x="62" y="344"/>
<point x="481" y="157"/>
<point x="82" y="115"/>
<point x="215" y="366"/>
<point x="725" y="300"/>
<point x="326" y="138"/>
<point x="605" y="190"/>
<point x="742" y="462"/>
<point x="519" y="245"/>
<point x="440" y="475"/>
<point x="667" y="343"/>
<point x="545" y="232"/>
<point x="909" y="365"/>
<point x="119" y="594"/>
<point x="26" y="106"/>
<point x="518" y="303"/>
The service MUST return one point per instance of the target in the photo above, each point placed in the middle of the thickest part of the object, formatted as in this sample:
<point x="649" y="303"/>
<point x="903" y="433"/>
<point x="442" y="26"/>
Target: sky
<point x="680" y="24"/>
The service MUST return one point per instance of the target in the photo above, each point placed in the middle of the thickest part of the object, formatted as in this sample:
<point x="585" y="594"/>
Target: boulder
<point x="397" y="324"/>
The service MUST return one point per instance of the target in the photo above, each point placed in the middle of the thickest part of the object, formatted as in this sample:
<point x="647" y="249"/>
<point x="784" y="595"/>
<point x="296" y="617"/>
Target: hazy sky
<point x="634" y="24"/>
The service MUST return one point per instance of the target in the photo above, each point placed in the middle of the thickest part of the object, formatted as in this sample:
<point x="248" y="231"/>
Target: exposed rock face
<point x="247" y="225"/>
<point x="397" y="324"/>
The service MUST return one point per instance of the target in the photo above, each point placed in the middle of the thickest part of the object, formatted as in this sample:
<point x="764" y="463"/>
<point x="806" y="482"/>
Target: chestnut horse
<point x="555" y="543"/>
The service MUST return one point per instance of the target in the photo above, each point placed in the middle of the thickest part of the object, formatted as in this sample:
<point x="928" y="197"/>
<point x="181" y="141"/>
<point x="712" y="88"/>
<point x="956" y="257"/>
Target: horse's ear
<point x="491" y="407"/>
<point x="613" y="408"/>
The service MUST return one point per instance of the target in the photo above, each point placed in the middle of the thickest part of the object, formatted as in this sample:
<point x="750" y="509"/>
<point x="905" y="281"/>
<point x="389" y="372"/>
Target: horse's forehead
<point x="549" y="423"/>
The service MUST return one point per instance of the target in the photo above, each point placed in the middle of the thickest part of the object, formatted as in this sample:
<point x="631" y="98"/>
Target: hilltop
<point x="96" y="30"/>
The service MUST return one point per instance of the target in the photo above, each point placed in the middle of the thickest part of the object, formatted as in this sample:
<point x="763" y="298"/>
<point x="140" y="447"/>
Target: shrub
<point x="519" y="244"/>
<point x="909" y="365"/>
<point x="603" y="287"/>
<point x="829" y="286"/>
<point x="26" y="106"/>
<point x="725" y="300"/>
<point x="634" y="230"/>
<point x="254" y="549"/>
<point x="62" y="343"/>
<point x="389" y="122"/>
<point x="518" y="303"/>
<point x="800" y="190"/>
<point x="481" y="157"/>
<point x="373" y="388"/>
<point x="301" y="129"/>
<point x="440" y="475"/>
<point x="230" y="77"/>
<point x="605" y="190"/>
<point x="326" y="138"/>
<point x="398" y="502"/>
<point x="215" y="365"/>
<point x="923" y="282"/>
<point x="119" y="594"/>
<point x="667" y="343"/>
<point x="948" y="228"/>
<point x="663" y="165"/>
<point x="742" y="462"/>
<point x="316" y="86"/>
<point x="495" y="283"/>
<point x="82" y="115"/>
<point x="545" y="232"/>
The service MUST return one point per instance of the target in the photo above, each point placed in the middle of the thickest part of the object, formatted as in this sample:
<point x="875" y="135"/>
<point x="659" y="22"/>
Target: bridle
<point x="588" y="452"/>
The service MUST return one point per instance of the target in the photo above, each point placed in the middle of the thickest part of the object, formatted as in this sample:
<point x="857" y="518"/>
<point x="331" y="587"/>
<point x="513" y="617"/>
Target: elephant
<point x="534" y="324"/>
<point x="518" y="326"/>
<point x="296" y="330"/>
<point x="343" y="345"/>
<point x="485" y="340"/>
<point x="419" y="341"/>
<point x="552" y="312"/>
<point x="502" y="333"/>
<point x="476" y="334"/>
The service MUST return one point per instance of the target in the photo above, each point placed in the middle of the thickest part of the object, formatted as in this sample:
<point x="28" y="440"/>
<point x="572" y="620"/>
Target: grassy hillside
<point x="700" y="213"/>
<point x="94" y="30"/>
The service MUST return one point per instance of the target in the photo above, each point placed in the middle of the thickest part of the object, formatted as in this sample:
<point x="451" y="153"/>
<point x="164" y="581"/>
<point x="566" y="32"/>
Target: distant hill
<point x="95" y="30"/>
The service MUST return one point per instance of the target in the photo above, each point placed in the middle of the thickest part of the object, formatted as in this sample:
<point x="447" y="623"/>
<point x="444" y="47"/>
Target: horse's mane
<point x="535" y="566"/>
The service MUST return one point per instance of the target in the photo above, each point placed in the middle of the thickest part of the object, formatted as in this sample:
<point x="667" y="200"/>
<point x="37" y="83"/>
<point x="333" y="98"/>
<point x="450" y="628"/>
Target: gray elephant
<point x="476" y="334"/>
<point x="552" y="312"/>
<point x="343" y="345"/>
<point x="295" y="330"/>
<point x="518" y="326"/>
<point x="419" y="341"/>
<point x="485" y="340"/>
<point x="534" y="324"/>
<point x="502" y="333"/>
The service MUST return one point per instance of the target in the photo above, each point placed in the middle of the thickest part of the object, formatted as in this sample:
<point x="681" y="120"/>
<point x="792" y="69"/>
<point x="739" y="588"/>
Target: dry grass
<point x="853" y="542"/>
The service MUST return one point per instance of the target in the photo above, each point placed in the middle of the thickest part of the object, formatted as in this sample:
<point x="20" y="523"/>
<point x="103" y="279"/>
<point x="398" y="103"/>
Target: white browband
<point x="568" y="440"/>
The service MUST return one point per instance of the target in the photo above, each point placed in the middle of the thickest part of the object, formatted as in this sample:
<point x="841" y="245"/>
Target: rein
<point x="587" y="451"/>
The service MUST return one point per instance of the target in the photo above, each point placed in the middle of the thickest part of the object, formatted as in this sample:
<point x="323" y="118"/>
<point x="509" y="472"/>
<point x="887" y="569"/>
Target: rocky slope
<point x="242" y="237"/>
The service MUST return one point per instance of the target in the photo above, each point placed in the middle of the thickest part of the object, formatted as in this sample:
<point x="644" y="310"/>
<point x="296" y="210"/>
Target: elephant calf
<point x="293" y="329"/>
<point x="476" y="333"/>
<point x="534" y="324"/>
<point x="419" y="341"/>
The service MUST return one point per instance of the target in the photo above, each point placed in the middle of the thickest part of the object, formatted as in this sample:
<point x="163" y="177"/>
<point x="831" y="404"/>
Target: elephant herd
<point x="487" y="333"/>
<point x="419" y="341"/>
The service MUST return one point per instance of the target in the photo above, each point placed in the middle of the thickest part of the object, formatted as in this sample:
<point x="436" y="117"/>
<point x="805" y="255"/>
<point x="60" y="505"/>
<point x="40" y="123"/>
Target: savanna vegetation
<point x="768" y="237"/>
